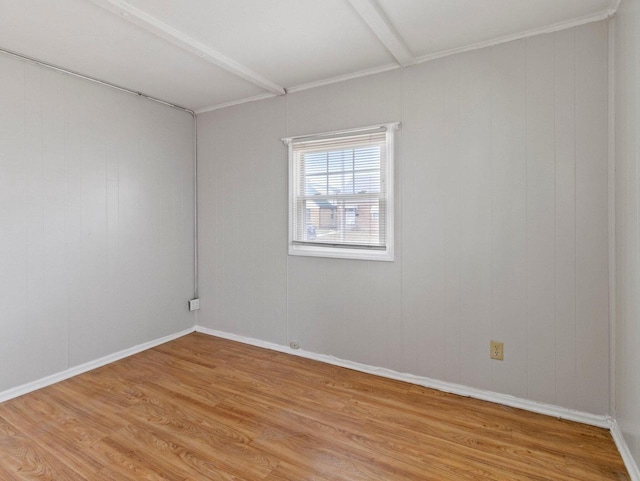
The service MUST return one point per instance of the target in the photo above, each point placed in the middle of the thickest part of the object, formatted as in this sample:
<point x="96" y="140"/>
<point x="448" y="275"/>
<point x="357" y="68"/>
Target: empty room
<point x="319" y="240"/>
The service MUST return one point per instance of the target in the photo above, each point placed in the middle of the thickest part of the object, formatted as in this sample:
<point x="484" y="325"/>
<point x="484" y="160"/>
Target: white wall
<point x="96" y="221"/>
<point x="627" y="42"/>
<point x="501" y="222"/>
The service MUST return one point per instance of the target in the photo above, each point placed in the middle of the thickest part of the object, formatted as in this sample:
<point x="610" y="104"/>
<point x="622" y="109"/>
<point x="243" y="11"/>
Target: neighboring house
<point x="331" y="219"/>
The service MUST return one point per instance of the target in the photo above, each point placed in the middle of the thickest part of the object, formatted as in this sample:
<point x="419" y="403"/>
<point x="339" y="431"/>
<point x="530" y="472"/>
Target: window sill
<point x="340" y="253"/>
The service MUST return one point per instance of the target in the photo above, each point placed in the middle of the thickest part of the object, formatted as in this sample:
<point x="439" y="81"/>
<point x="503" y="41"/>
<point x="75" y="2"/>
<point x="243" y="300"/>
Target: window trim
<point x="386" y="254"/>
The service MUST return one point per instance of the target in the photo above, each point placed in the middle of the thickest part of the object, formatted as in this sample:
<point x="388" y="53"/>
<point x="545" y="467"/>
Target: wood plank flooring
<point x="203" y="408"/>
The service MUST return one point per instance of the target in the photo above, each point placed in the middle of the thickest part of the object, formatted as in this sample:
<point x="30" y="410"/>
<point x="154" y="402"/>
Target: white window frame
<point x="386" y="254"/>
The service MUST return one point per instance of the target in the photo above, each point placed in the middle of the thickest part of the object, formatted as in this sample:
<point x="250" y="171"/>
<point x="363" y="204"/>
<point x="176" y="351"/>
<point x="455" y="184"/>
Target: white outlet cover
<point x="194" y="304"/>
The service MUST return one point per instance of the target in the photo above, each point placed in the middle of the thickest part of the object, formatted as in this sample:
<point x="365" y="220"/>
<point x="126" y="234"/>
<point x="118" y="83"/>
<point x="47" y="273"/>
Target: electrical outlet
<point x="497" y="350"/>
<point x="294" y="345"/>
<point x="194" y="304"/>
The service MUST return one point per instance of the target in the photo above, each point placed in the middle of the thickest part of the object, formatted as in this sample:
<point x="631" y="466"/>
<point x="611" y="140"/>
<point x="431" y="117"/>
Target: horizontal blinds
<point x="340" y="190"/>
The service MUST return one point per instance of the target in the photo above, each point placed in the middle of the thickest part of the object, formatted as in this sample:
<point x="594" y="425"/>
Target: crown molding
<point x="299" y="88"/>
<point x="235" y="102"/>
<point x="343" y="78"/>
<point x="556" y="27"/>
<point x="603" y="15"/>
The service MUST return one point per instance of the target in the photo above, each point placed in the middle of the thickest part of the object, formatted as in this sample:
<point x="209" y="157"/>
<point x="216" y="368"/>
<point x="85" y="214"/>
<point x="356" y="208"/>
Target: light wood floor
<point x="203" y="408"/>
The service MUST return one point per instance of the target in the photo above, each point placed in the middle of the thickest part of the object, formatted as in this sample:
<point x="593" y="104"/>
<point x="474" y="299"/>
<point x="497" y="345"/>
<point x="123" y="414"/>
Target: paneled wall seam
<point x="526" y="212"/>
<point x="555" y="217"/>
<point x="612" y="213"/>
<point x="575" y="225"/>
<point x="402" y="216"/>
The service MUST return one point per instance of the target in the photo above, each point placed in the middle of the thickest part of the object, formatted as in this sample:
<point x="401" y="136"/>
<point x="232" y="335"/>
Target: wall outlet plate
<point x="497" y="350"/>
<point x="194" y="304"/>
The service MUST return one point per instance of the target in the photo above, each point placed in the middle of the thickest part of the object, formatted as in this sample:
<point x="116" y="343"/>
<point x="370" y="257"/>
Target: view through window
<point x="342" y="195"/>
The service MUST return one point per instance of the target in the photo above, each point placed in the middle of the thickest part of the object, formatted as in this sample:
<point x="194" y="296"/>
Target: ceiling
<point x="204" y="54"/>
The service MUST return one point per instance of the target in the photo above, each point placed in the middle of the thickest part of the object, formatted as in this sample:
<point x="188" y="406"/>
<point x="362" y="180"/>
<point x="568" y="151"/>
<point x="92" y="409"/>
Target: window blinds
<point x="340" y="190"/>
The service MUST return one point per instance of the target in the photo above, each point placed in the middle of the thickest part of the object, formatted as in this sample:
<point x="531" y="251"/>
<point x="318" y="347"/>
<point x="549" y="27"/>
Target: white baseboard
<point x="601" y="421"/>
<point x="549" y="409"/>
<point x="627" y="457"/>
<point x="88" y="366"/>
<point x="505" y="399"/>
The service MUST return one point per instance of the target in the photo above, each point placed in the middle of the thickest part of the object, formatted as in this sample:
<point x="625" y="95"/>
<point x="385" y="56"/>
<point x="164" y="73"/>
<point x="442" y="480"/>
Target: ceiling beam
<point x="378" y="22"/>
<point x="178" y="38"/>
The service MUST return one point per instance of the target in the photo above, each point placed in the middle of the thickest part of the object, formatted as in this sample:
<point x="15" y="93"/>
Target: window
<point x="341" y="194"/>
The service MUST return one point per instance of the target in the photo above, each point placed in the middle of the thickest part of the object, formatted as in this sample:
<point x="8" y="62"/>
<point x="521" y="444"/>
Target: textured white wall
<point x="501" y="222"/>
<point x="627" y="43"/>
<point x="96" y="221"/>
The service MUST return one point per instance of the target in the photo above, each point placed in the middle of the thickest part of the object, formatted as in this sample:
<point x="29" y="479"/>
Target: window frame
<point x="356" y="253"/>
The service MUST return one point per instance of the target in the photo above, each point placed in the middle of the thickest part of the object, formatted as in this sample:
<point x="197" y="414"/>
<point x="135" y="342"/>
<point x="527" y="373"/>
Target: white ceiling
<point x="206" y="53"/>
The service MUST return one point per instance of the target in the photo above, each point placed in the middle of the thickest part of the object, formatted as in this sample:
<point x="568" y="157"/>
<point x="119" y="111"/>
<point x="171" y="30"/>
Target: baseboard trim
<point x="88" y="366"/>
<point x="623" y="448"/>
<point x="459" y="389"/>
<point x="504" y="399"/>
